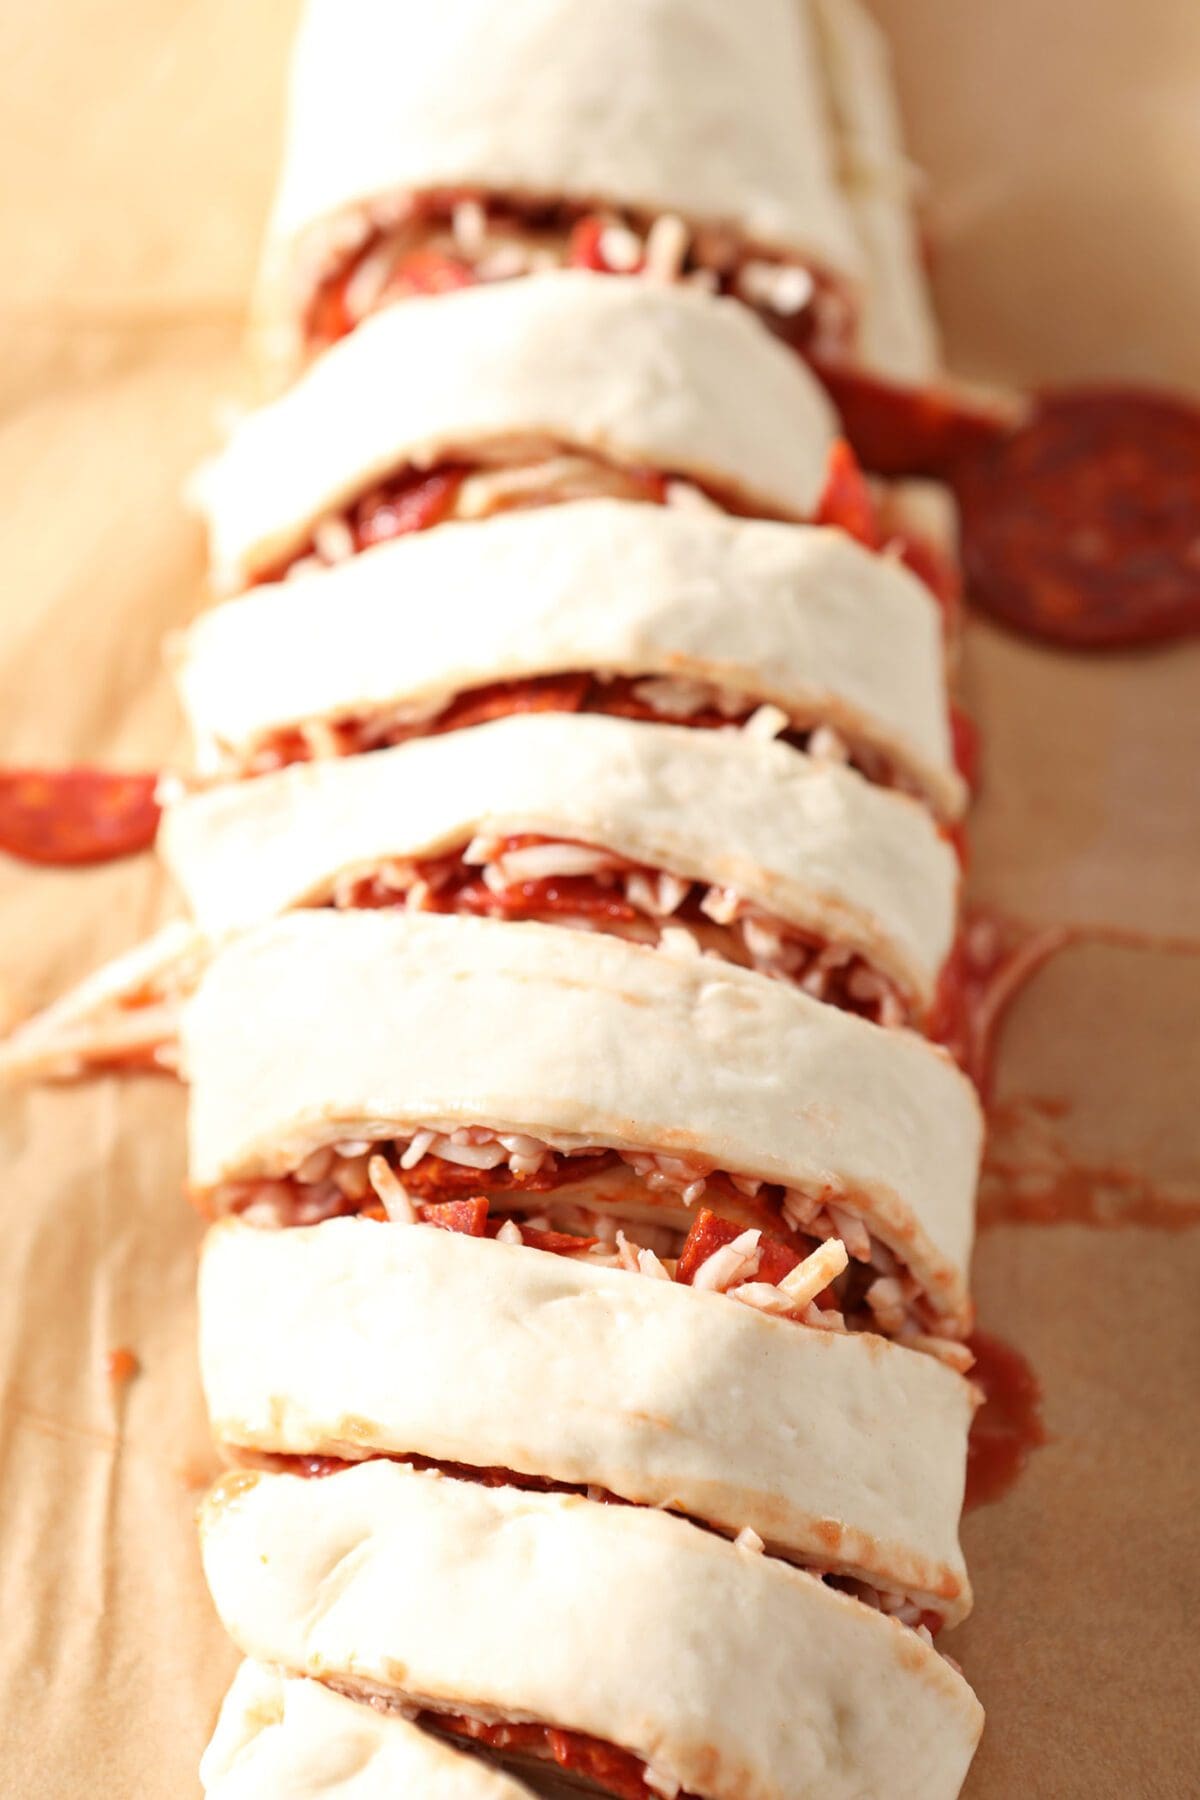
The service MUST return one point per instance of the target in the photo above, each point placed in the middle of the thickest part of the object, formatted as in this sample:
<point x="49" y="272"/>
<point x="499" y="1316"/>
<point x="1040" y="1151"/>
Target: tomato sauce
<point x="618" y="1772"/>
<point x="1008" y="1427"/>
<point x="991" y="961"/>
<point x="1030" y="1177"/>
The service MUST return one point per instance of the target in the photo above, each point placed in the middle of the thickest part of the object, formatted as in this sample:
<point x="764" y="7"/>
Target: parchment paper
<point x="138" y="141"/>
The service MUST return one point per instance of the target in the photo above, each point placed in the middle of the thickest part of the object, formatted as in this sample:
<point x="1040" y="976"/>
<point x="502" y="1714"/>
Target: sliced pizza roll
<point x="768" y="857"/>
<point x="760" y="854"/>
<point x="621" y="1643"/>
<point x="435" y="147"/>
<point x="839" y="1452"/>
<point x="561" y="386"/>
<point x="280" y="1737"/>
<point x="388" y="1061"/>
<point x="596" y="606"/>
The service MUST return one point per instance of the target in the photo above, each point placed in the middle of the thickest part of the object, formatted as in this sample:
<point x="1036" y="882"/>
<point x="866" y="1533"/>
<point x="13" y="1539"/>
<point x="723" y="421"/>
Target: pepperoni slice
<point x="430" y="272"/>
<point x="846" y="499"/>
<point x="617" y="1772"/>
<point x="468" y="1217"/>
<point x="507" y="1735"/>
<point x="558" y="1243"/>
<point x="423" y="271"/>
<point x="709" y="1233"/>
<point x="776" y="1259"/>
<point x="329" y="317"/>
<point x="1083" y="526"/>
<point x="576" y="896"/>
<point x="538" y="693"/>
<point x="619" y="699"/>
<point x="413" y="502"/>
<point x="907" y="431"/>
<point x="73" y="816"/>
<point x="434" y="1181"/>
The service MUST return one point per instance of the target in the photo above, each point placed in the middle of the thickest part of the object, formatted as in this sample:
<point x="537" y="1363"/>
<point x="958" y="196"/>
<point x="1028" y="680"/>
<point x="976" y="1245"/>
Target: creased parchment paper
<point x="1061" y="137"/>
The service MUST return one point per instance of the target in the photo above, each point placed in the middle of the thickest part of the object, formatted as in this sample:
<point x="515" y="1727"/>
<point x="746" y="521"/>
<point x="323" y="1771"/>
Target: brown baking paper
<point x="138" y="141"/>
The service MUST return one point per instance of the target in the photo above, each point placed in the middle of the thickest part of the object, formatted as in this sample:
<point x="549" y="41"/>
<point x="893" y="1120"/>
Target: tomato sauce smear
<point x="1008" y="1427"/>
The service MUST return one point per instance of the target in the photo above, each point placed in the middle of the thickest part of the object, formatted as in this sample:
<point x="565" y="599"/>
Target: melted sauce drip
<point x="992" y="960"/>
<point x="1008" y="1427"/>
<point x="1031" y="1178"/>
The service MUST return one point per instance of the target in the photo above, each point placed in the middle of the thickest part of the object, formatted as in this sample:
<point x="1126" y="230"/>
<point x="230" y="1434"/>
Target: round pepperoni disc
<point x="1083" y="526"/>
<point x="78" y="815"/>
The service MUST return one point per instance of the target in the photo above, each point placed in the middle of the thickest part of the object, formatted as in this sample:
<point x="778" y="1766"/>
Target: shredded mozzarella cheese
<point x="814" y="1274"/>
<point x="391" y="1191"/>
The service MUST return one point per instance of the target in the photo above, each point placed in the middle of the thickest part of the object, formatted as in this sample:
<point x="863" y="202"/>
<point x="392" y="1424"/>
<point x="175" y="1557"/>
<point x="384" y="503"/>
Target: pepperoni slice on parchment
<point x="1082" y="527"/>
<point x="79" y="815"/>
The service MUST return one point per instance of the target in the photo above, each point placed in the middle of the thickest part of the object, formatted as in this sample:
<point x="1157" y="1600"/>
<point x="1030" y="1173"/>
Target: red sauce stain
<point x="992" y="960"/>
<point x="1030" y="1177"/>
<point x="1008" y="1427"/>
<point x="122" y="1365"/>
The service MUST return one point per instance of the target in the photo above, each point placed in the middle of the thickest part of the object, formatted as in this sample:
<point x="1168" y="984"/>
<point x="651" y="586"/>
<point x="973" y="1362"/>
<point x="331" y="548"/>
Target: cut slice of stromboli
<point x="553" y="388"/>
<point x="508" y="1616"/>
<point x="681" y="140"/>
<point x="594" y="606"/>
<point x="280" y="1737"/>
<point x="759" y="854"/>
<point x="842" y="1453"/>
<point x="770" y="858"/>
<point x="385" y="1061"/>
